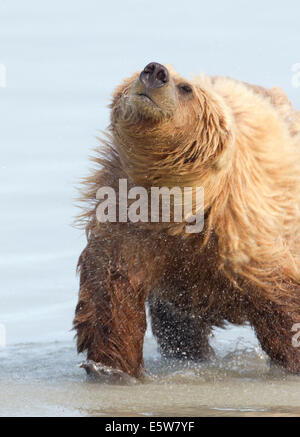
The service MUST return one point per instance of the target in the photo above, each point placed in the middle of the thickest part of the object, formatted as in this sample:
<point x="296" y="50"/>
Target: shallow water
<point x="62" y="61"/>
<point x="44" y="379"/>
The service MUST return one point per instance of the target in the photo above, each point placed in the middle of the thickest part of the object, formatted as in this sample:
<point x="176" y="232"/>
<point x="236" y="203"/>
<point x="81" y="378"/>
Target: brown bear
<point x="241" y="143"/>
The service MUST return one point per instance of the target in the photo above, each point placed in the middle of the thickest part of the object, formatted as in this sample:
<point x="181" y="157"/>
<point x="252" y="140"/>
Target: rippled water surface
<point x="44" y="379"/>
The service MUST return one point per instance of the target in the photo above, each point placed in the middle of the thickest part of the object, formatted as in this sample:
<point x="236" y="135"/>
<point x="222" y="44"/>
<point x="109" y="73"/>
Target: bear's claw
<point x="105" y="373"/>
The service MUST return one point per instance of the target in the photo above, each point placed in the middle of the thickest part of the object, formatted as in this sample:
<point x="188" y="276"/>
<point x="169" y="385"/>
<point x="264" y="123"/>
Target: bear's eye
<point x="185" y="88"/>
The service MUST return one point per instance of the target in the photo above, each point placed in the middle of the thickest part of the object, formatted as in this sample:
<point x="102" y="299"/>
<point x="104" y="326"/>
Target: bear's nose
<point x="154" y="75"/>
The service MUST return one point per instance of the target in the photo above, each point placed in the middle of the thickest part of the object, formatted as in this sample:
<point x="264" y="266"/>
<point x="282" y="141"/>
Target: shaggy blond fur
<point x="242" y="144"/>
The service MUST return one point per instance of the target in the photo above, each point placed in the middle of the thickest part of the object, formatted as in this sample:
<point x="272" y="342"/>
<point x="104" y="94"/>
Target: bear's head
<point x="170" y="131"/>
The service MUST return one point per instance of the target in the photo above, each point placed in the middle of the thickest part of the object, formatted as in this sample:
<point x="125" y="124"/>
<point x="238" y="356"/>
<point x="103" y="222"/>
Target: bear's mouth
<point x="147" y="99"/>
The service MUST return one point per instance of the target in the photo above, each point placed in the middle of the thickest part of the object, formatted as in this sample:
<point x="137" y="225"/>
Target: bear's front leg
<point x="110" y="317"/>
<point x="274" y="326"/>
